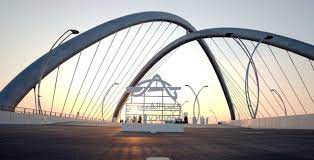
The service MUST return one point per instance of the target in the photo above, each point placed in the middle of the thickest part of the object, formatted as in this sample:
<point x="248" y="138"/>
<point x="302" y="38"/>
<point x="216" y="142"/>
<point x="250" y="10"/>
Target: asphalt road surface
<point x="97" y="143"/>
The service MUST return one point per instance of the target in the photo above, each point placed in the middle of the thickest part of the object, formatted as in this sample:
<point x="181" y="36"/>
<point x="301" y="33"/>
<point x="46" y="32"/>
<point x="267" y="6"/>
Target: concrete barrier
<point x="20" y="118"/>
<point x="153" y="128"/>
<point x="209" y="126"/>
<point x="289" y="122"/>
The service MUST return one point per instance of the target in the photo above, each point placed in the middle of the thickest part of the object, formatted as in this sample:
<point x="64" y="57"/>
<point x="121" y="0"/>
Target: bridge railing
<point x="49" y="113"/>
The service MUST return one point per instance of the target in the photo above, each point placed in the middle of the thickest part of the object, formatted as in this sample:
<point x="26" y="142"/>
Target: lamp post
<point x="44" y="64"/>
<point x="250" y="63"/>
<point x="199" y="107"/>
<point x="103" y="100"/>
<point x="284" y="106"/>
<point x="196" y="99"/>
<point x="183" y="105"/>
<point x="214" y="115"/>
<point x="198" y="103"/>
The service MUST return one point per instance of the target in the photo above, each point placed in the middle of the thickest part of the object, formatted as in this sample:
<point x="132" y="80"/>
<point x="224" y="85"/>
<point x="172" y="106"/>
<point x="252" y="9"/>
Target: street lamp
<point x="183" y="105"/>
<point x="103" y="100"/>
<point x="199" y="107"/>
<point x="198" y="103"/>
<point x="277" y="93"/>
<point x="250" y="63"/>
<point x="196" y="99"/>
<point x="44" y="64"/>
<point x="214" y="115"/>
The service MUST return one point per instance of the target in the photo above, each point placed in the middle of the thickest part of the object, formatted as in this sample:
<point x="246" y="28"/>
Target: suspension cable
<point x="129" y="57"/>
<point x="132" y="42"/>
<point x="111" y="62"/>
<point x="264" y="80"/>
<point x="100" y="66"/>
<point x="153" y="70"/>
<point x="54" y="90"/>
<point x="145" y="55"/>
<point x="90" y="64"/>
<point x="115" y="69"/>
<point x="90" y="86"/>
<point x="232" y="81"/>
<point x="106" y="113"/>
<point x="144" y="48"/>
<point x="107" y="51"/>
<point x="287" y="79"/>
<point x="149" y="51"/>
<point x="223" y="68"/>
<point x="238" y="102"/>
<point x="104" y="77"/>
<point x="66" y="98"/>
<point x="116" y="96"/>
<point x="247" y="92"/>
<point x="55" y="85"/>
<point x="241" y="63"/>
<point x="300" y="77"/>
<point x="135" y="60"/>
<point x="273" y="77"/>
<point x="125" y="64"/>
<point x="36" y="107"/>
<point x="311" y="64"/>
<point x="116" y="53"/>
<point x="120" y="59"/>
<point x="238" y="72"/>
<point x="237" y="93"/>
<point x="166" y="39"/>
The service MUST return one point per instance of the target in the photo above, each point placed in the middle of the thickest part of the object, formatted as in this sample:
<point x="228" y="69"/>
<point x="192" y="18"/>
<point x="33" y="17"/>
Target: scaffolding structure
<point x="158" y="103"/>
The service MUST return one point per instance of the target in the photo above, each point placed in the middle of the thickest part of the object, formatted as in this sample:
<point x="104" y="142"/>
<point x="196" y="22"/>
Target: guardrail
<point x="48" y="113"/>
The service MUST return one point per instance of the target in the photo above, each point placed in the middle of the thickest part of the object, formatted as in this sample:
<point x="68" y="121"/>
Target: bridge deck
<point x="76" y="142"/>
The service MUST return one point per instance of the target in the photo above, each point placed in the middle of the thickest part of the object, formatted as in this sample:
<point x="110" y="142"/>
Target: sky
<point x="29" y="28"/>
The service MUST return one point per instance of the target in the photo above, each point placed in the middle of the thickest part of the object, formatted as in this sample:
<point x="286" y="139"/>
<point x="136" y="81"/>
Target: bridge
<point x="265" y="80"/>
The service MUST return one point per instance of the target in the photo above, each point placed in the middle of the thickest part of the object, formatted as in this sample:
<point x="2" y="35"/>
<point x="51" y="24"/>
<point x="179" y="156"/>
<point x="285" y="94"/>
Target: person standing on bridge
<point x="185" y="120"/>
<point x="206" y="120"/>
<point x="140" y="119"/>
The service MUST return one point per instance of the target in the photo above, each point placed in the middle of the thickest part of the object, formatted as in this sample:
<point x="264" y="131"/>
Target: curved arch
<point x="298" y="47"/>
<point x="14" y="91"/>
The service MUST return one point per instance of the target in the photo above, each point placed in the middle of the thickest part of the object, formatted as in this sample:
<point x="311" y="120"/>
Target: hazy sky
<point x="29" y="28"/>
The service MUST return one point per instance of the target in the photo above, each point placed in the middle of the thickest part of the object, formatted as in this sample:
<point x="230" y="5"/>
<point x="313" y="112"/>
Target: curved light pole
<point x="44" y="64"/>
<point x="214" y="115"/>
<point x="103" y="100"/>
<point x="183" y="105"/>
<point x="199" y="107"/>
<point x="196" y="99"/>
<point x="250" y="63"/>
<point x="284" y="106"/>
<point x="198" y="103"/>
